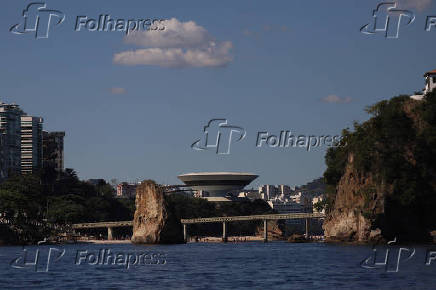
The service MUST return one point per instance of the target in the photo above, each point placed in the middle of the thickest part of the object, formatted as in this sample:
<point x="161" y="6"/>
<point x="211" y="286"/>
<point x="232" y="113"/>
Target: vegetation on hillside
<point x="30" y="203"/>
<point x="397" y="148"/>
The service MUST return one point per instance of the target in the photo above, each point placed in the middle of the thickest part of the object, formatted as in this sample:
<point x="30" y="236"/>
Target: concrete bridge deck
<point x="103" y="225"/>
<point x="285" y="216"/>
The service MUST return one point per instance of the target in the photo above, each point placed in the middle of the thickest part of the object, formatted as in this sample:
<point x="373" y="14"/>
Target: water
<point x="275" y="265"/>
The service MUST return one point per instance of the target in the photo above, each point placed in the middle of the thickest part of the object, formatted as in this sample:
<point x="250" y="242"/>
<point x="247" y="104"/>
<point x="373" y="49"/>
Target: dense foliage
<point x="397" y="148"/>
<point x="29" y="203"/>
<point x="188" y="207"/>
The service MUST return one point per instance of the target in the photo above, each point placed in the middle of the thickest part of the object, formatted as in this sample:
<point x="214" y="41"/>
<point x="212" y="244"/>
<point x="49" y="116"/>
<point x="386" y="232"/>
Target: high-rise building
<point x="3" y="173"/>
<point x="268" y="191"/>
<point x="31" y="144"/>
<point x="284" y="189"/>
<point x="10" y="129"/>
<point x="53" y="150"/>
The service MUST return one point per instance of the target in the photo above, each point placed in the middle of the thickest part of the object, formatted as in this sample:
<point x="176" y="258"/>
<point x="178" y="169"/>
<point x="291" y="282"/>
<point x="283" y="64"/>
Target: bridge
<point x="265" y="218"/>
<point x="224" y="220"/>
<point x="108" y="225"/>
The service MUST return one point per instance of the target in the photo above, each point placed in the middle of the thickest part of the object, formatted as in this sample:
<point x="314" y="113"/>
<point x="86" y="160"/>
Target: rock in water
<point x="154" y="221"/>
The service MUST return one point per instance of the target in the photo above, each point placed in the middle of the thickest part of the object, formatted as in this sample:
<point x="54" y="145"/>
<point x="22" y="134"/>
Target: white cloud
<point x="416" y="4"/>
<point x="336" y="99"/>
<point x="118" y="91"/>
<point x="175" y="35"/>
<point x="181" y="44"/>
<point x="216" y="55"/>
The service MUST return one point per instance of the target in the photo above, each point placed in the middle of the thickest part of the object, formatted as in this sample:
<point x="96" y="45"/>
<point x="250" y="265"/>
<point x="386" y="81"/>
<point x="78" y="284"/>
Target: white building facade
<point x="430" y="85"/>
<point x="31" y="144"/>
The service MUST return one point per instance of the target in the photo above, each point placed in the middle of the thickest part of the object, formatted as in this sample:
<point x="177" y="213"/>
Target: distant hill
<point x="315" y="187"/>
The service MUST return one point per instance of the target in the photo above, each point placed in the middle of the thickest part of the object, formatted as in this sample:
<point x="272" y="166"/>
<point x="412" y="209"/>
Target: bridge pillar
<point x="224" y="232"/>
<point x="265" y="231"/>
<point x="185" y="233"/>
<point x="307" y="228"/>
<point x="109" y="233"/>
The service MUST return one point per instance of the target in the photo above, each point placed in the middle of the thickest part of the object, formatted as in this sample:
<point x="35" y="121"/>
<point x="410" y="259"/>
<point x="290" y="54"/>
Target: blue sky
<point x="285" y="57"/>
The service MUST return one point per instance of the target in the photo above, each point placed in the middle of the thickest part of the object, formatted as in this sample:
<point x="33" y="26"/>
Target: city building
<point x="297" y="197"/>
<point x="31" y="144"/>
<point x="316" y="200"/>
<point x="250" y="194"/>
<point x="284" y="189"/>
<point x="126" y="190"/>
<point x="268" y="191"/>
<point x="53" y="150"/>
<point x="430" y="85"/>
<point x="10" y="129"/>
<point x="303" y="198"/>
<point x="288" y="207"/>
<point x="3" y="173"/>
<point x="430" y="81"/>
<point x="217" y="186"/>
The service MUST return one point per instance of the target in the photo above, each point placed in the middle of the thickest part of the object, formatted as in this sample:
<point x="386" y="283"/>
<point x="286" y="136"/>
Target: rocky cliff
<point x="357" y="202"/>
<point x="154" y="222"/>
<point x="381" y="180"/>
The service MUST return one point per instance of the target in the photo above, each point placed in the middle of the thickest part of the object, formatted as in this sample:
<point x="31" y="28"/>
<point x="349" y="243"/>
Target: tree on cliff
<point x="396" y="147"/>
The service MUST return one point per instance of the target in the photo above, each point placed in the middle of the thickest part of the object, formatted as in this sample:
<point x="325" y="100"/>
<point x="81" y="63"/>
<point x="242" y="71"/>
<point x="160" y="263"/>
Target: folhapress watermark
<point x="392" y="257"/>
<point x="287" y="140"/>
<point x="107" y="257"/>
<point x="45" y="259"/>
<point x="390" y="261"/>
<point x="219" y="136"/>
<point x="37" y="19"/>
<point x="387" y="19"/>
<point x="106" y="23"/>
<point x="38" y="260"/>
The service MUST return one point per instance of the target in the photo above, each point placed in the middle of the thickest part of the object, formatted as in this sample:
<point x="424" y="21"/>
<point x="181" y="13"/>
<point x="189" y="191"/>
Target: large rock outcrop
<point x="356" y="203"/>
<point x="154" y="221"/>
<point x="381" y="180"/>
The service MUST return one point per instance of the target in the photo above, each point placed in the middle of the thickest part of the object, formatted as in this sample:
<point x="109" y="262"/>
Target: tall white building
<point x="31" y="144"/>
<point x="430" y="81"/>
<point x="430" y="85"/>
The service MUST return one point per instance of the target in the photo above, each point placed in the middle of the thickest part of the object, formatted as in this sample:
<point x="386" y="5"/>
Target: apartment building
<point x="31" y="144"/>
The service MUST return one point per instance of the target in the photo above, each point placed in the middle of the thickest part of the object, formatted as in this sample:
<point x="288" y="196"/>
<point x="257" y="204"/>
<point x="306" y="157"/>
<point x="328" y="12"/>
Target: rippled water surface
<point x="275" y="265"/>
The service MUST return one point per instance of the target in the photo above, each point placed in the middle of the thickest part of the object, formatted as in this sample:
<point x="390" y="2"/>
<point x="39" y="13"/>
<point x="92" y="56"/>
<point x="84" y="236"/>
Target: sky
<point x="131" y="106"/>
